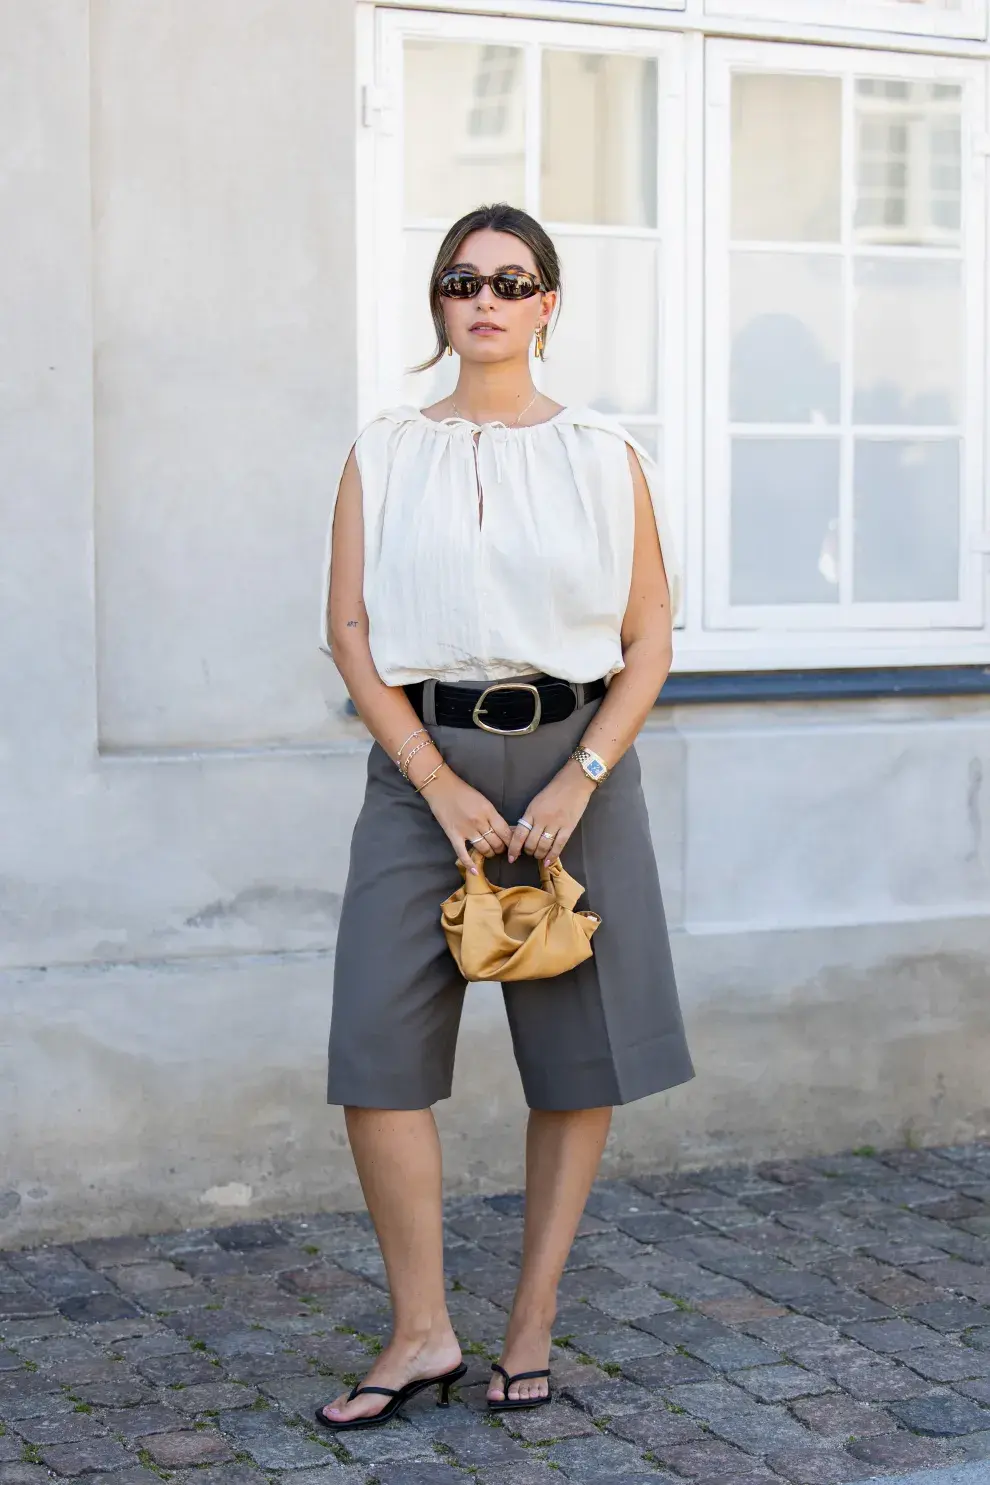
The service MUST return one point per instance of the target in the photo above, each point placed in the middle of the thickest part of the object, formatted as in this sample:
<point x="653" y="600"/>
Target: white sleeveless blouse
<point x="532" y="576"/>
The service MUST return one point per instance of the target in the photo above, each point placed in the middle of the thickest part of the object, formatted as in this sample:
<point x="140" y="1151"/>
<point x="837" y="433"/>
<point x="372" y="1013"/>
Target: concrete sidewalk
<point x="815" y="1322"/>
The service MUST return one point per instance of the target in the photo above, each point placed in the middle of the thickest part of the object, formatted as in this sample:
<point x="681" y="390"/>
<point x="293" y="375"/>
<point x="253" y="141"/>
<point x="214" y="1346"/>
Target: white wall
<point x="177" y="779"/>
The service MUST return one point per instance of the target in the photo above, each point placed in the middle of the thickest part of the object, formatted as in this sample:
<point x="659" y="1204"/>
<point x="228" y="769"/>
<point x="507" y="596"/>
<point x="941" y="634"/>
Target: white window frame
<point x="691" y="439"/>
<point x="969" y="21"/>
<point x="383" y="223"/>
<point x="842" y="629"/>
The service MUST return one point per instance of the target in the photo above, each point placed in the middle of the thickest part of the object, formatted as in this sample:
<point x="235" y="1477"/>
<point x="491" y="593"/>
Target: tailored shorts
<point x="607" y="1032"/>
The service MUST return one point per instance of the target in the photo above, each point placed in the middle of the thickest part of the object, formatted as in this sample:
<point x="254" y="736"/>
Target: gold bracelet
<point x="441" y="764"/>
<point x="409" y="739"/>
<point x="404" y="766"/>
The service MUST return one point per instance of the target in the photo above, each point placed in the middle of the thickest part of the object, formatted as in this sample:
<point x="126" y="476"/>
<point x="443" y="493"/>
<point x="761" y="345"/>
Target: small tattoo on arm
<point x="352" y="623"/>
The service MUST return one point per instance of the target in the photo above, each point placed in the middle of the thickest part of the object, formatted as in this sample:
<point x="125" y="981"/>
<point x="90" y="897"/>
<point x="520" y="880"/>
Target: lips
<point x="485" y="327"/>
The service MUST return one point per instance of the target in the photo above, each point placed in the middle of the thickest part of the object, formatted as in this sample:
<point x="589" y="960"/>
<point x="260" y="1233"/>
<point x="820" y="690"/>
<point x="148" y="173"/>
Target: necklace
<point x="515" y="420"/>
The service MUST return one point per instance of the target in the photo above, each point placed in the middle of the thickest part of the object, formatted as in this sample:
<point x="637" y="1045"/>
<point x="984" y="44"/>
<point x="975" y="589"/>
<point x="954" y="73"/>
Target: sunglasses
<point x="507" y="283"/>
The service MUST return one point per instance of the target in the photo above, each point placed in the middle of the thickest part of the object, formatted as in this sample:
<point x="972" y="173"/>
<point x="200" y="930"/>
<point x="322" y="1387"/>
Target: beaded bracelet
<point x="409" y="739"/>
<point x="404" y="766"/>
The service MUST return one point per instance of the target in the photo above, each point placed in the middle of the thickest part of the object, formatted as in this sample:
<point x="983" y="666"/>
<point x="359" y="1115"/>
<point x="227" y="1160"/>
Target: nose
<point x="484" y="299"/>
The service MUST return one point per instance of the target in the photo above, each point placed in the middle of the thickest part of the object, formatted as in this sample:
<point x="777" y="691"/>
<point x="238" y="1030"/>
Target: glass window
<point x="844" y="276"/>
<point x="921" y="17"/>
<point x="583" y="151"/>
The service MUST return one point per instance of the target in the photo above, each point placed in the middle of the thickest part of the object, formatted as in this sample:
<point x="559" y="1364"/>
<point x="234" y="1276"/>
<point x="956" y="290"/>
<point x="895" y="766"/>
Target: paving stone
<point x="180" y="1450"/>
<point x="973" y="1446"/>
<point x="728" y="1412"/>
<point x="239" y="1473"/>
<point x="137" y="1474"/>
<point x="135" y="1423"/>
<point x="941" y="1414"/>
<point x="903" y="1451"/>
<point x="271" y="1442"/>
<point x="247" y="1235"/>
<point x="24" y="1474"/>
<point x="889" y="1336"/>
<point x="950" y="1314"/>
<point x="86" y="1309"/>
<point x="31" y="1397"/>
<point x="596" y="1459"/>
<point x="781" y="1383"/>
<point x="86" y="1457"/>
<point x="125" y="1394"/>
<point x="707" y="1459"/>
<point x="656" y="1428"/>
<point x="881" y="1382"/>
<point x="667" y="1371"/>
<point x="406" y="1474"/>
<point x="36" y="1328"/>
<point x="738" y="1311"/>
<point x="182" y="1370"/>
<point x="393" y="1443"/>
<point x="216" y="1397"/>
<point x="979" y="1338"/>
<point x="612" y="1397"/>
<point x="948" y="1363"/>
<point x="559" y="1420"/>
<point x="839" y="1417"/>
<point x="617" y="1346"/>
<point x="11" y="1448"/>
<point x="533" y="1472"/>
<point x="61" y="1428"/>
<point x="820" y="1467"/>
<point x="113" y="1252"/>
<point x="632" y="1302"/>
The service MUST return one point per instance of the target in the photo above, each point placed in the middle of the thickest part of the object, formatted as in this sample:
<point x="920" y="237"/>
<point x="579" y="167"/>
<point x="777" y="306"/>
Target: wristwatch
<point x="594" y="766"/>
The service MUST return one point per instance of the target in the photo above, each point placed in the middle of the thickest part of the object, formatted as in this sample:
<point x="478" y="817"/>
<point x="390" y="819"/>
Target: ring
<point x="528" y="823"/>
<point x="476" y="840"/>
<point x="548" y="835"/>
<point x="489" y="831"/>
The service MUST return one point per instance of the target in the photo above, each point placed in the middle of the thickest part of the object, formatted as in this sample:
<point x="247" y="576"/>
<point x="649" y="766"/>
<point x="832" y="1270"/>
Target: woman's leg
<point x="397" y="1154"/>
<point x="563" y="1152"/>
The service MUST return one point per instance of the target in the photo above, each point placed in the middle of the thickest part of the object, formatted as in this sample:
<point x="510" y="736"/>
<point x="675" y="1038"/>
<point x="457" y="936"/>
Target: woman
<point x="494" y="538"/>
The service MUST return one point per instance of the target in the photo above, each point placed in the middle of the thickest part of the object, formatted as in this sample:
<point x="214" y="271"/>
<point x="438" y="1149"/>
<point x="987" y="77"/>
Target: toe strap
<point x="384" y="1391"/>
<point x="519" y="1376"/>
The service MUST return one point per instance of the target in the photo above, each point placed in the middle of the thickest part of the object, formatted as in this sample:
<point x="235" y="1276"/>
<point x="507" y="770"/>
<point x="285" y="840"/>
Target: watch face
<point x="595" y="769"/>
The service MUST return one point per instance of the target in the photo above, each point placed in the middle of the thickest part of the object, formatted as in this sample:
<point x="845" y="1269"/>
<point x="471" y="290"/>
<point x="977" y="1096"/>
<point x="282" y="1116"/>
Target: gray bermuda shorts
<point x="605" y="1033"/>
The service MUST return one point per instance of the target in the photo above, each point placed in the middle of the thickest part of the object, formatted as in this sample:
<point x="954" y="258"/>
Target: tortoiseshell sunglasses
<point x="506" y="283"/>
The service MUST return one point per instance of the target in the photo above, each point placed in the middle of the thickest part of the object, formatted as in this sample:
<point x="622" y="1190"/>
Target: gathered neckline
<point x="495" y="423"/>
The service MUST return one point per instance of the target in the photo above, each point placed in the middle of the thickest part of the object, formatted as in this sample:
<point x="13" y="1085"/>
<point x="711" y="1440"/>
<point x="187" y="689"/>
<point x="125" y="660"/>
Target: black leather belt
<point x="508" y="707"/>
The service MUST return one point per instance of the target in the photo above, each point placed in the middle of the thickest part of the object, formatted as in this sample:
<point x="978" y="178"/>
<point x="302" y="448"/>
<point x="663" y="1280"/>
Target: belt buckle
<point x="509" y="731"/>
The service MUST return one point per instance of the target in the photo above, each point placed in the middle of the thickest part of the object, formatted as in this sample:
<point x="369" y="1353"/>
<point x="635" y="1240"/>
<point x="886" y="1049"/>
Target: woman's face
<point x="486" y="328"/>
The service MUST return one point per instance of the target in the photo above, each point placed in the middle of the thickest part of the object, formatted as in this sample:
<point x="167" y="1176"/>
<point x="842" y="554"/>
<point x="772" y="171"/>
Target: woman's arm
<point x="386" y="711"/>
<point x="646" y="650"/>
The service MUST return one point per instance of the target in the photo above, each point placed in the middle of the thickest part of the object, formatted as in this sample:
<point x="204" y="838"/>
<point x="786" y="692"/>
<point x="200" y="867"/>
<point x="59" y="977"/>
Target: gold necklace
<point x="515" y="420"/>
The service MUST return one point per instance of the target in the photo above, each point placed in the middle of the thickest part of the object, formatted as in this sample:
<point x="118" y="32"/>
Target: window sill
<point x="825" y="685"/>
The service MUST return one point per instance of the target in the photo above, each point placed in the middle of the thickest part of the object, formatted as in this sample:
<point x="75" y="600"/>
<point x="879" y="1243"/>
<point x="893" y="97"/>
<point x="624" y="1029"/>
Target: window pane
<point x="785" y="518"/>
<point x="599" y="139"/>
<point x="419" y="336"/>
<point x="603" y="351"/>
<point x="907" y="521"/>
<point x="464" y="121"/>
<point x="786" y="157"/>
<point x="908" y="341"/>
<point x="786" y="338"/>
<point x="908" y="180"/>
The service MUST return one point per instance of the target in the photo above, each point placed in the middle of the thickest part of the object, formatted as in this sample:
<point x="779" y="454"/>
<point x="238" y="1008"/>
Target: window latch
<point x="376" y="108"/>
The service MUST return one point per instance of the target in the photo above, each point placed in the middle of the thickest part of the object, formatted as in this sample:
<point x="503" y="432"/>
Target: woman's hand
<point x="550" y="819"/>
<point x="465" y="815"/>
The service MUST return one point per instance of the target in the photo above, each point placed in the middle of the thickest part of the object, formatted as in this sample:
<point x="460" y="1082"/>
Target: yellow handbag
<point x="517" y="933"/>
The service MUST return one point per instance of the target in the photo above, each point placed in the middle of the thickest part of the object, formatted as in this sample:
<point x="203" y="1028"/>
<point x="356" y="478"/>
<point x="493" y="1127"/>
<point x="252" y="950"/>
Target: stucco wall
<point x="177" y="778"/>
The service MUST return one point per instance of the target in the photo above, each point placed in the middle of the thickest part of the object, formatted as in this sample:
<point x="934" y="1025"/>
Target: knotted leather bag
<point x="517" y="933"/>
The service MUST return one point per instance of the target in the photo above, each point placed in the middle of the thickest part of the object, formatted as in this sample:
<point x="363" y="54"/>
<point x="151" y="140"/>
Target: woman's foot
<point x="526" y="1349"/>
<point x="403" y="1360"/>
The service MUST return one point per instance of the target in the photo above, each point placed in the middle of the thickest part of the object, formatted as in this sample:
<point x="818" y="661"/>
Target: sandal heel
<point x="443" y="1399"/>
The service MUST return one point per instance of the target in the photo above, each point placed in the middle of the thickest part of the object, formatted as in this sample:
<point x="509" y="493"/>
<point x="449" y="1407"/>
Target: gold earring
<point x="541" y="342"/>
<point x="450" y="349"/>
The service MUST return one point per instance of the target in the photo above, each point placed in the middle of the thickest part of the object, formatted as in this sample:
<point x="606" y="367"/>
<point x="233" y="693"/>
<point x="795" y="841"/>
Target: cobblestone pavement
<point x="816" y="1322"/>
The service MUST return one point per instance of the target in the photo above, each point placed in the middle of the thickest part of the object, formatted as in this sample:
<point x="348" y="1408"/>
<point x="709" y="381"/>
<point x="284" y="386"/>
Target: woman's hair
<point x="500" y="217"/>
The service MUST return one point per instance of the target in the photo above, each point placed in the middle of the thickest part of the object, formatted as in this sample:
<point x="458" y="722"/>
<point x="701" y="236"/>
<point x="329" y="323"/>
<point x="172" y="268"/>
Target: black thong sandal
<point x="510" y="1404"/>
<point x="396" y="1396"/>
